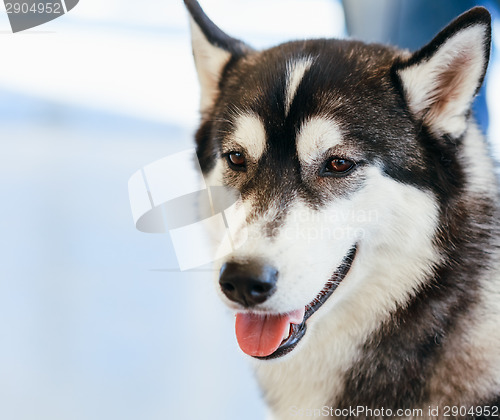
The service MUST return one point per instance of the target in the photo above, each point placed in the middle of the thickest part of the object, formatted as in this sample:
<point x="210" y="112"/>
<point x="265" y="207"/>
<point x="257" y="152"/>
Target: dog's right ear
<point x="212" y="50"/>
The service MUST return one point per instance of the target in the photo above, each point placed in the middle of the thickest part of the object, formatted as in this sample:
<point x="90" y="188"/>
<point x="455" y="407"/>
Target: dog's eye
<point x="337" y="167"/>
<point x="237" y="161"/>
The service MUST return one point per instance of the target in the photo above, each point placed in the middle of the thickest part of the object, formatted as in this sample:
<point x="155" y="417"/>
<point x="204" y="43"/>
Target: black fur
<point x="214" y="35"/>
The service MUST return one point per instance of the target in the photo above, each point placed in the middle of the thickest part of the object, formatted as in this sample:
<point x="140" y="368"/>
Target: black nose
<point x="248" y="283"/>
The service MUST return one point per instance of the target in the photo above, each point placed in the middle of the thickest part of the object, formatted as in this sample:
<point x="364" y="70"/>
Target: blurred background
<point x="96" y="320"/>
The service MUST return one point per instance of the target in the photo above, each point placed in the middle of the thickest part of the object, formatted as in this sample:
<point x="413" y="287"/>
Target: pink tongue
<point x="261" y="335"/>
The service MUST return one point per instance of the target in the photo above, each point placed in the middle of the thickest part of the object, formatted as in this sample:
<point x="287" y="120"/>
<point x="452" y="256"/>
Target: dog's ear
<point x="212" y="50"/>
<point x="441" y="80"/>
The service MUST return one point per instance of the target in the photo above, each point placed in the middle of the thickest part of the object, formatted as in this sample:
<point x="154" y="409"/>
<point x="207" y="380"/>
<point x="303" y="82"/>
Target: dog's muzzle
<point x="265" y="335"/>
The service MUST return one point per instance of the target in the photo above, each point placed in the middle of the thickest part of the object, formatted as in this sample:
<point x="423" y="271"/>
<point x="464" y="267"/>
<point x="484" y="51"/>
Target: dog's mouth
<point x="271" y="336"/>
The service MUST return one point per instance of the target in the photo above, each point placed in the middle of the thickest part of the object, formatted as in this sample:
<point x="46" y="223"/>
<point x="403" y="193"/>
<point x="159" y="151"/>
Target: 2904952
<point x="454" y="411"/>
<point x="25" y="8"/>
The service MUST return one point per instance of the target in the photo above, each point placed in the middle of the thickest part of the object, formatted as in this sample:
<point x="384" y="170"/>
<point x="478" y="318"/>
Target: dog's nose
<point x="248" y="283"/>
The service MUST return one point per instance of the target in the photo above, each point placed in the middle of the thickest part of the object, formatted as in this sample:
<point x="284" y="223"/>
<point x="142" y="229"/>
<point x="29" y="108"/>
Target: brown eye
<point x="237" y="161"/>
<point x="337" y="167"/>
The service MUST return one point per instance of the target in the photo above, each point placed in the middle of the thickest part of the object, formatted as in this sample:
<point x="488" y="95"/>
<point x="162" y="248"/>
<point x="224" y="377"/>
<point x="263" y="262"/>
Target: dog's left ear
<point x="441" y="80"/>
<point x="212" y="50"/>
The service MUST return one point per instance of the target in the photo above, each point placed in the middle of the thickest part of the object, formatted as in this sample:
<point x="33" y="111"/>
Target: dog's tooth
<point x="287" y="332"/>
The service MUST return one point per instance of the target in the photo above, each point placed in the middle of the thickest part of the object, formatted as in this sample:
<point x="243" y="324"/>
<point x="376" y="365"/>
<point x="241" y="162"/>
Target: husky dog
<point x="369" y="278"/>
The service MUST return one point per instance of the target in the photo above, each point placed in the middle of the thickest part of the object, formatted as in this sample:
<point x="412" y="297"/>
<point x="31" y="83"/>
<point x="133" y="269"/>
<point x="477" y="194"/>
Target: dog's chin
<point x="297" y="326"/>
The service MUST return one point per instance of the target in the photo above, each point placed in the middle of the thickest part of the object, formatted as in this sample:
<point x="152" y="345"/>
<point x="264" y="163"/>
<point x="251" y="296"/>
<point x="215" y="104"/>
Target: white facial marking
<point x="251" y="135"/>
<point x="315" y="137"/>
<point x="295" y="72"/>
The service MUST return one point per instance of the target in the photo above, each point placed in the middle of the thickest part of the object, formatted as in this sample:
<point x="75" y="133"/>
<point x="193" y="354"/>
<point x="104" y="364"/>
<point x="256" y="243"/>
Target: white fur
<point x="295" y="72"/>
<point x="374" y="217"/>
<point x="209" y="61"/>
<point x="394" y="256"/>
<point x="393" y="259"/>
<point x="461" y="55"/>
<point x="476" y="155"/>
<point x="316" y="136"/>
<point x="249" y="135"/>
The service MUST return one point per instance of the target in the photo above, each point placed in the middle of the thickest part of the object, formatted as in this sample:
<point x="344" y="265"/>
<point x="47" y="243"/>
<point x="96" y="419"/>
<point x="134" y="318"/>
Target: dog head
<point x="342" y="153"/>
